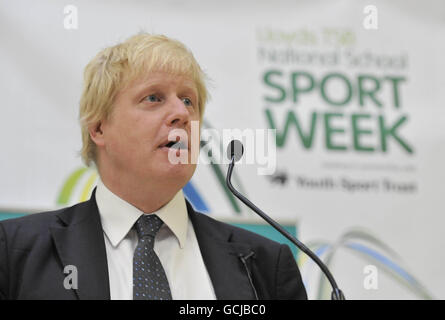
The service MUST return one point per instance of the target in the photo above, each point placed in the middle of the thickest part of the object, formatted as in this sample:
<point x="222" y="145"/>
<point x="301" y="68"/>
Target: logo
<point x="377" y="256"/>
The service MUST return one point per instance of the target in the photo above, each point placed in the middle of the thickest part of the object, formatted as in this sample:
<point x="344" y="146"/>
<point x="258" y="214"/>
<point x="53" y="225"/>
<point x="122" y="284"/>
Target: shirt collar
<point x="118" y="216"/>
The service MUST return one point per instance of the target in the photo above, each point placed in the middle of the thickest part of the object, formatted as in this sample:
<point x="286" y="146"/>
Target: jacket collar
<point x="79" y="241"/>
<point x="221" y="256"/>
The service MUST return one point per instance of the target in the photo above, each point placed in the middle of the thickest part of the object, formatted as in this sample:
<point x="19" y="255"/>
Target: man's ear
<point x="96" y="133"/>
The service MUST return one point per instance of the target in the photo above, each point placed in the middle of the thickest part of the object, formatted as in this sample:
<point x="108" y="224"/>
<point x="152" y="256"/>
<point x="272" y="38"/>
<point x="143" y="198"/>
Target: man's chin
<point x="173" y="165"/>
<point x="177" y="171"/>
<point x="177" y="156"/>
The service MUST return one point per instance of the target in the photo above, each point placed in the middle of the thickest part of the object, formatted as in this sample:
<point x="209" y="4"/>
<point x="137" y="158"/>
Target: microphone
<point x="235" y="151"/>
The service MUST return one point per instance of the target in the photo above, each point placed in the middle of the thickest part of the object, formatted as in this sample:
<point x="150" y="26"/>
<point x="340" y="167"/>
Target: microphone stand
<point x="337" y="294"/>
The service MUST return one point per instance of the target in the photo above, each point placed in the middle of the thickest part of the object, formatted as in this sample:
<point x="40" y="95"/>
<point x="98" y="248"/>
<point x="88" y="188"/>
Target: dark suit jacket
<point x="35" y="249"/>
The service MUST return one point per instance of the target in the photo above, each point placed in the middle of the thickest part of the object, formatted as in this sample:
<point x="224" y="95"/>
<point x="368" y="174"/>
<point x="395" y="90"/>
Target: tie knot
<point x="148" y="225"/>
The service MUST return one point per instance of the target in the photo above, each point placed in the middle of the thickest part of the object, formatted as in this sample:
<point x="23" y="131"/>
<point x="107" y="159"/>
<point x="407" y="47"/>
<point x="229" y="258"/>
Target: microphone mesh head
<point x="236" y="149"/>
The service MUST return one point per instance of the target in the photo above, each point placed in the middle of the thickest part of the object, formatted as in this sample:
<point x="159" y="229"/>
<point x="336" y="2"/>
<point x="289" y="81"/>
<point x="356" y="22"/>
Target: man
<point x="137" y="237"/>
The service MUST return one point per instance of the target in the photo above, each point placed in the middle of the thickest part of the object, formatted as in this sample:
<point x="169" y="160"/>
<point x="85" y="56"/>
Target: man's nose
<point x="179" y="113"/>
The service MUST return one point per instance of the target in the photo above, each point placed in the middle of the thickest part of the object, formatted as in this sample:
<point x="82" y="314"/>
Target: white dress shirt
<point x="175" y="244"/>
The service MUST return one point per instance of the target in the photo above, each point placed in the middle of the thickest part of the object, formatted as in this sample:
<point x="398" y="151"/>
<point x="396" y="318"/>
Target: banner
<point x="347" y="96"/>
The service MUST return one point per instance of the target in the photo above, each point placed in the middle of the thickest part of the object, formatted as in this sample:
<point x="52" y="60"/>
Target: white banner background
<point x="42" y="64"/>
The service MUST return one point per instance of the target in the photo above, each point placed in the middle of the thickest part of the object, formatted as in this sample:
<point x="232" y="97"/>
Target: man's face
<point x="144" y="114"/>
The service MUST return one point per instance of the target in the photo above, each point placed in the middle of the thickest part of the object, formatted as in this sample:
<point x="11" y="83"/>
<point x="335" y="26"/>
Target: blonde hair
<point x="115" y="67"/>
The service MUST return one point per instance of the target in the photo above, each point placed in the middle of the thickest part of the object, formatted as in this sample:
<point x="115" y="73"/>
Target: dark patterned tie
<point x="149" y="279"/>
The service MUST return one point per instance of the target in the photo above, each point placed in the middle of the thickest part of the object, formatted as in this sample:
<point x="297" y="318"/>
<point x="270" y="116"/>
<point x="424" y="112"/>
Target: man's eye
<point x="152" y="98"/>
<point x="187" y="102"/>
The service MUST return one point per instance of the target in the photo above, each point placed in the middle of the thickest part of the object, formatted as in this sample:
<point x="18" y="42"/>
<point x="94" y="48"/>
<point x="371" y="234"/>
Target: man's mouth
<point x="175" y="145"/>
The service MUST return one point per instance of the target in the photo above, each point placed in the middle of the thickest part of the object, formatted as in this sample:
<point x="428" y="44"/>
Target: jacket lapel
<point x="222" y="258"/>
<point x="79" y="241"/>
